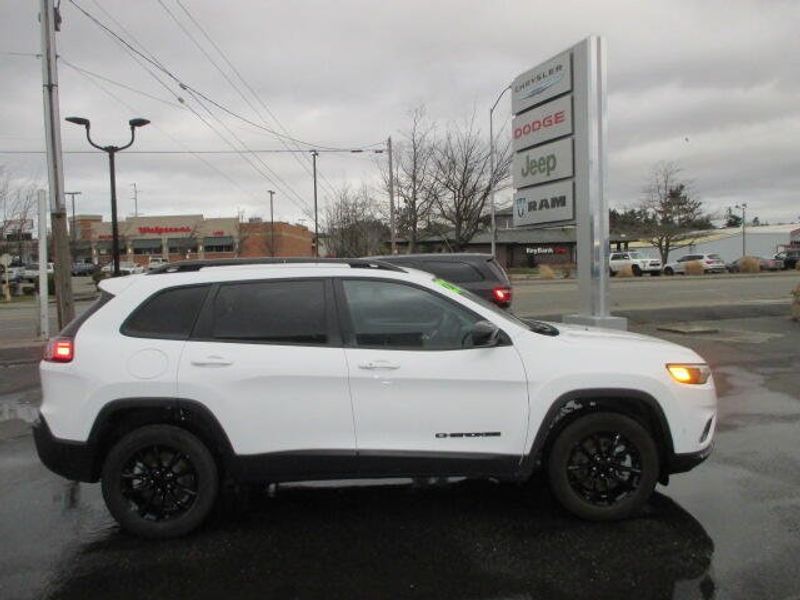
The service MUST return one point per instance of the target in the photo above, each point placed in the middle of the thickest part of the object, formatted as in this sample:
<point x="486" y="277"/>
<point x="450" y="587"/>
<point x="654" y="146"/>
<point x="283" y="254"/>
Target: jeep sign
<point x="543" y="163"/>
<point x="545" y="204"/>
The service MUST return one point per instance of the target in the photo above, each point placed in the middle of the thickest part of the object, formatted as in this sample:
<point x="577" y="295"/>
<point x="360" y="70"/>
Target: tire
<point x="627" y="445"/>
<point x="637" y="270"/>
<point x="153" y="460"/>
<point x="669" y="271"/>
<point x="611" y="272"/>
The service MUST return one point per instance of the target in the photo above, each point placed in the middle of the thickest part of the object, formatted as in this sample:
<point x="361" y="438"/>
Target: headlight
<point x="687" y="373"/>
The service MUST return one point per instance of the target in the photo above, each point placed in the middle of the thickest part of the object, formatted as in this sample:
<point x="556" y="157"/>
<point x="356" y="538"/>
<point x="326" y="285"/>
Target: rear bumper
<point x="72" y="460"/>
<point x="681" y="463"/>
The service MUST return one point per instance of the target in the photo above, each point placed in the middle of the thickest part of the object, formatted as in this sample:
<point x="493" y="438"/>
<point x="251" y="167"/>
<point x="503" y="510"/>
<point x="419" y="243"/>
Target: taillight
<point x="60" y="350"/>
<point x="502" y="294"/>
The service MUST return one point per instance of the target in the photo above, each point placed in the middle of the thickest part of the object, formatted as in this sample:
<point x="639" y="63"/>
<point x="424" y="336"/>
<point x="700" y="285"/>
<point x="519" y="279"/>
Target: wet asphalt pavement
<point x="728" y="529"/>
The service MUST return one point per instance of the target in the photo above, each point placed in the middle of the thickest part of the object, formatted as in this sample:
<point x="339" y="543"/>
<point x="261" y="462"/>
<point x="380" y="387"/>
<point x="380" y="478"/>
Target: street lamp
<point x="111" y="151"/>
<point x="491" y="167"/>
<point x="743" y="206"/>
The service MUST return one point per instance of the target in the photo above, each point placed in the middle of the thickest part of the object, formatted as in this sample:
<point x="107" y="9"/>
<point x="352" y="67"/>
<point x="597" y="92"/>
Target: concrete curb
<point x="691" y="313"/>
<point x="24" y="353"/>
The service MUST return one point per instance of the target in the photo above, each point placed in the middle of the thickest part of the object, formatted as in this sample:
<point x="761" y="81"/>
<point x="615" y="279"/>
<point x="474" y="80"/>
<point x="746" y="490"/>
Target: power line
<point x="151" y="59"/>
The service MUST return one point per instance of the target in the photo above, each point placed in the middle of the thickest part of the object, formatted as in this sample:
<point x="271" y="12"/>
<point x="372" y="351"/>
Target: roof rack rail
<point x="196" y="265"/>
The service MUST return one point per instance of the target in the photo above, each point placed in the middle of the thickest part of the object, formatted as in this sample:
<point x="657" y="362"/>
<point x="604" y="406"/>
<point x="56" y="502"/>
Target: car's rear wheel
<point x="603" y="467"/>
<point x="669" y="271"/>
<point x="159" y="481"/>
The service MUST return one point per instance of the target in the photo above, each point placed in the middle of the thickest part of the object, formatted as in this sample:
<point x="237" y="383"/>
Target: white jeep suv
<point x="203" y="372"/>
<point x="639" y="263"/>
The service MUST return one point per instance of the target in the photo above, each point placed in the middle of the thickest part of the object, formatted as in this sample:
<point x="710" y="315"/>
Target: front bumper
<point x="72" y="460"/>
<point x="681" y="463"/>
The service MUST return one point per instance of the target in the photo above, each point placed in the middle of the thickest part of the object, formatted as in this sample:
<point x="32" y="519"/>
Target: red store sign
<point x="159" y="230"/>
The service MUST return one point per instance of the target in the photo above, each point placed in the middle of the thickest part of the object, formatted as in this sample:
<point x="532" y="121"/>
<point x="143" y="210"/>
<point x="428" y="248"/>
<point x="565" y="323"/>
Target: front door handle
<point x="378" y="364"/>
<point x="211" y="361"/>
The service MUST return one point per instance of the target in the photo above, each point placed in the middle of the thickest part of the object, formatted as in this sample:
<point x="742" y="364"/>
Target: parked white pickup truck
<point x="640" y="264"/>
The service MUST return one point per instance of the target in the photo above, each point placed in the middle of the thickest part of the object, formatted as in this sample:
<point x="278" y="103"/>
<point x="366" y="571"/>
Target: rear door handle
<point x="378" y="364"/>
<point x="211" y="361"/>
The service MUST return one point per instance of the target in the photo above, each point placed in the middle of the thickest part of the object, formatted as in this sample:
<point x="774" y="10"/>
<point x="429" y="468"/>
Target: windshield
<point x="636" y="255"/>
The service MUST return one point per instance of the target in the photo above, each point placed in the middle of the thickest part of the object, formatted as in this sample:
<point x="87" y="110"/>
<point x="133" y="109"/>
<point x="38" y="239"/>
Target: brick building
<point x="182" y="237"/>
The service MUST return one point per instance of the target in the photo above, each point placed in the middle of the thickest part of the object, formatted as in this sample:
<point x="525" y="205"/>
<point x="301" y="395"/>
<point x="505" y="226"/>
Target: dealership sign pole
<point x="559" y="169"/>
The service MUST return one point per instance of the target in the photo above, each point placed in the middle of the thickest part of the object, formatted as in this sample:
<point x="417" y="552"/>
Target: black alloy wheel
<point x="604" y="466"/>
<point x="159" y="481"/>
<point x="637" y="270"/>
<point x="669" y="271"/>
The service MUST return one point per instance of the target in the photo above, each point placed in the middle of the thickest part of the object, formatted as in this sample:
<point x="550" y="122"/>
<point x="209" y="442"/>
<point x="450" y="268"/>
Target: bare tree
<point x="353" y="224"/>
<point x="669" y="213"/>
<point x="19" y="205"/>
<point x="465" y="180"/>
<point x="414" y="178"/>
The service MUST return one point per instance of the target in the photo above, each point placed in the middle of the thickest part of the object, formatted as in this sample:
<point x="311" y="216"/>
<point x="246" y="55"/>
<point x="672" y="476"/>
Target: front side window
<point x="169" y="314"/>
<point x="277" y="312"/>
<point x="398" y="316"/>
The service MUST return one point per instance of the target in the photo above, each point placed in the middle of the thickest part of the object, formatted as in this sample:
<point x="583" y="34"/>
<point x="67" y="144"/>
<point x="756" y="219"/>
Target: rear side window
<point x="169" y="314"/>
<point x="278" y="312"/>
<point x="455" y="271"/>
<point x="72" y="327"/>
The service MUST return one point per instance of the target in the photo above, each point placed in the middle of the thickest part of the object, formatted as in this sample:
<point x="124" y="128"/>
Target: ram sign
<point x="551" y="203"/>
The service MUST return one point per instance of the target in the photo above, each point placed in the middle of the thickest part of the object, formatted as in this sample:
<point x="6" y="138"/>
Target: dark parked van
<point x="481" y="274"/>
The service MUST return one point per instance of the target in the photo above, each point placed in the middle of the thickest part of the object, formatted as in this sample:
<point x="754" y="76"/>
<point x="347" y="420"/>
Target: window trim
<point x="348" y="330"/>
<point x="124" y="328"/>
<point x="204" y="326"/>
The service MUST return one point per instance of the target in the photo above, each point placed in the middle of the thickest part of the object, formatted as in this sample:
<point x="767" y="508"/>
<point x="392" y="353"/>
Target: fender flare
<point x="567" y="406"/>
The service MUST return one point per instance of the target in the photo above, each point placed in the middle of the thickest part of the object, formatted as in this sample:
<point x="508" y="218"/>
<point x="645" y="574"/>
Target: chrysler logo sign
<point x="542" y="83"/>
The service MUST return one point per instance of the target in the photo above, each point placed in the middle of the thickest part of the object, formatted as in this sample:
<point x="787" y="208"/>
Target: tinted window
<point x="281" y="312"/>
<point x="169" y="314"/>
<point x="455" y="271"/>
<point x="394" y="315"/>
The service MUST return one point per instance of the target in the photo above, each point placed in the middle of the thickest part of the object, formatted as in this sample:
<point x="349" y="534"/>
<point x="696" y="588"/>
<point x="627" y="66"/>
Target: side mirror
<point x="485" y="334"/>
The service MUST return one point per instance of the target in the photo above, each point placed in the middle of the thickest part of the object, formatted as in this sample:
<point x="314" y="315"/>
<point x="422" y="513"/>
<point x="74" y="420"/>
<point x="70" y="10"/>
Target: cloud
<point x="721" y="73"/>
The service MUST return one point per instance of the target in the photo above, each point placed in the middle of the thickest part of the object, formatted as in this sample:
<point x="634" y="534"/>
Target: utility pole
<point x="743" y="206"/>
<point x="393" y="242"/>
<point x="314" y="154"/>
<point x="72" y="225"/>
<point x="50" y="20"/>
<point x="135" y="200"/>
<point x="271" y="224"/>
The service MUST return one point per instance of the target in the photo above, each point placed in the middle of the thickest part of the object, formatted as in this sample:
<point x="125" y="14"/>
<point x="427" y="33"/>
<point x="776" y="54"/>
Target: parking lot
<point x="728" y="529"/>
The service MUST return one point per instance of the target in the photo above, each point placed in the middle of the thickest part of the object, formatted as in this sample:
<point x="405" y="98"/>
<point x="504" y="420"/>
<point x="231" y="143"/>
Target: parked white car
<point x="155" y="262"/>
<point x="174" y="382"/>
<point x="639" y="263"/>
<point x="712" y="263"/>
<point x="125" y="268"/>
<point x="31" y="271"/>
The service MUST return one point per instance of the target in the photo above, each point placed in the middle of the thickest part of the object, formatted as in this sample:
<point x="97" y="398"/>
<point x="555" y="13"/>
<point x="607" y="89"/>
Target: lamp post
<point x="743" y="206"/>
<point x="271" y="224"/>
<point x="111" y="151"/>
<point x="491" y="167"/>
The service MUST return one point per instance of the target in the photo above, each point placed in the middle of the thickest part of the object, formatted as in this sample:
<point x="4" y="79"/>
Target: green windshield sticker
<point x="449" y="286"/>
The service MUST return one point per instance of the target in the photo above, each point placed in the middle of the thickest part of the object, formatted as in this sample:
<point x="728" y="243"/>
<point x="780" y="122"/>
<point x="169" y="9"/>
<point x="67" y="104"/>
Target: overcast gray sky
<point x="713" y="85"/>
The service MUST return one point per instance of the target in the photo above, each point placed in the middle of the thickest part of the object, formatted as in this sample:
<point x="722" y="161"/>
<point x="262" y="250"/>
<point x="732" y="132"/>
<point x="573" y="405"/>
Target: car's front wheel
<point x="669" y="271"/>
<point x="603" y="467"/>
<point x="159" y="481"/>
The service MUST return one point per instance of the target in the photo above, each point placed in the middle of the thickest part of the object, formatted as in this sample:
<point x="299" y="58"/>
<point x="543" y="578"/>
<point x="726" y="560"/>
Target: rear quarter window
<point x="455" y="271"/>
<point x="168" y="314"/>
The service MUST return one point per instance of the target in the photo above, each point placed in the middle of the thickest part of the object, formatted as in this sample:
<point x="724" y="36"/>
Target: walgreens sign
<point x="159" y="230"/>
<point x="542" y="124"/>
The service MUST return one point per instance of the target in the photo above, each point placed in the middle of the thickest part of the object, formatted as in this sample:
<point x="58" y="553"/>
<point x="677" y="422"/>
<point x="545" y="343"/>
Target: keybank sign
<point x="543" y="163"/>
